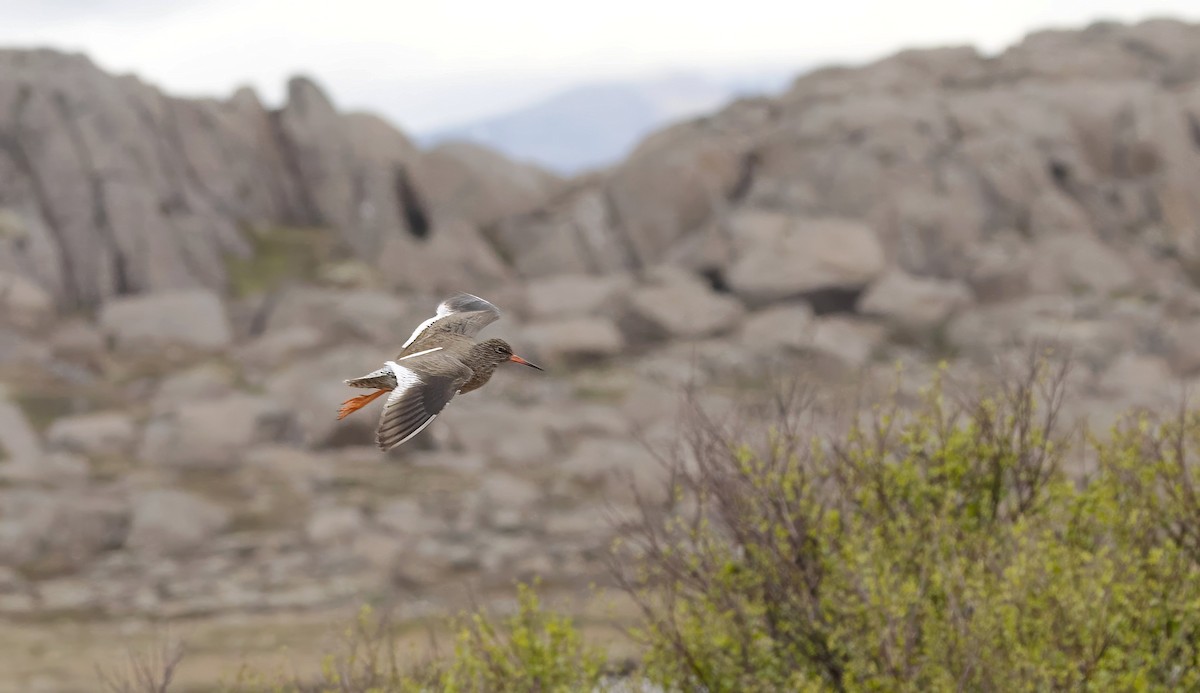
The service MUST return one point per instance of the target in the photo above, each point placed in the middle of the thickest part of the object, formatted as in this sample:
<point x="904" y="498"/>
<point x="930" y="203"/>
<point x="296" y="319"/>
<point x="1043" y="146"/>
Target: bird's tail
<point x="355" y="403"/>
<point x="382" y="379"/>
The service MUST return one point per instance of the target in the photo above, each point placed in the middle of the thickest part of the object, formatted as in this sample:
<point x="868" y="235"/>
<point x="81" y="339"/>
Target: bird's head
<point x="498" y="351"/>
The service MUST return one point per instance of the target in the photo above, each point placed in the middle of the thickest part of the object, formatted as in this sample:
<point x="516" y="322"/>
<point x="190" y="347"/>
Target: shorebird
<point x="440" y="360"/>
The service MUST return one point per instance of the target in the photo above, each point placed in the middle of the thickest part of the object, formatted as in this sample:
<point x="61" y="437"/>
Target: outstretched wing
<point x="463" y="314"/>
<point x="425" y="384"/>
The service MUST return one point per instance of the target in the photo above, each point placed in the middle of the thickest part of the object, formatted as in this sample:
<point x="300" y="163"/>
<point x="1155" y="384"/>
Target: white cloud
<point x="426" y="62"/>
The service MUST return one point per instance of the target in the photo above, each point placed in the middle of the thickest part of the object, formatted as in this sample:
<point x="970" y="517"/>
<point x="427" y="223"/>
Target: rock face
<point x="113" y="188"/>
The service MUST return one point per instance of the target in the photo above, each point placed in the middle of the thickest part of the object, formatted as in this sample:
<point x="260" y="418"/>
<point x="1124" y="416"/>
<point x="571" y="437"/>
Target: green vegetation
<point x="941" y="547"/>
<point x="280" y="255"/>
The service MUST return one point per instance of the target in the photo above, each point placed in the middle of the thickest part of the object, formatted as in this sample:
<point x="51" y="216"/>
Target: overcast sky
<point x="434" y="62"/>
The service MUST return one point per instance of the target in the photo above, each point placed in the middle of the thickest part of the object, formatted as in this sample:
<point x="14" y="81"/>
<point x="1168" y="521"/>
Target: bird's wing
<point x="425" y="384"/>
<point x="462" y="314"/>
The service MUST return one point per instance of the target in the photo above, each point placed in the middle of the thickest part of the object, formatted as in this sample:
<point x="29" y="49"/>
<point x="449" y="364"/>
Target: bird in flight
<point x="440" y="360"/>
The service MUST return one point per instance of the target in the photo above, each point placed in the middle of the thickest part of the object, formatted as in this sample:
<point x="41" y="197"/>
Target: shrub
<point x="941" y="548"/>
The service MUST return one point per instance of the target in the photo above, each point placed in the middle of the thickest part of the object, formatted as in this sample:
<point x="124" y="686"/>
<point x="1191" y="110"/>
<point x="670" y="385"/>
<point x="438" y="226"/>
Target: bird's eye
<point x="499" y="350"/>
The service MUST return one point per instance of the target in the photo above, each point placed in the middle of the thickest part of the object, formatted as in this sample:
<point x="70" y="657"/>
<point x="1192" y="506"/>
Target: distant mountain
<point x="597" y="124"/>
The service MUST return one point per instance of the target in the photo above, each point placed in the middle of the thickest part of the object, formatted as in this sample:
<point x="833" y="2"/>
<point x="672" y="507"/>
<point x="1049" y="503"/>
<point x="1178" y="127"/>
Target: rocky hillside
<point x="109" y="187"/>
<point x="184" y="285"/>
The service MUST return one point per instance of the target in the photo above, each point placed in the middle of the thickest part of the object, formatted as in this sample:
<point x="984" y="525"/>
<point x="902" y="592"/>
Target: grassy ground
<point x="63" y="656"/>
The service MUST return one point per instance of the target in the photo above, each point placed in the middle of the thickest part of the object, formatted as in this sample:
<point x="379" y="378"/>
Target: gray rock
<point x="509" y="434"/>
<point x="374" y="315"/>
<point x="783" y="256"/>
<point x="51" y="469"/>
<point x="572" y="295"/>
<point x="914" y="303"/>
<point x="205" y="381"/>
<point x="846" y="340"/>
<point x="61" y="530"/>
<point x="406" y="517"/>
<point x="678" y="311"/>
<point x="78" y="341"/>
<point x="671" y="183"/>
<point x="333" y="525"/>
<point x="617" y="468"/>
<point x="508" y="501"/>
<point x="278" y="347"/>
<point x="1184" y="348"/>
<point x="472" y="182"/>
<point x="213" y="434"/>
<point x="999" y="270"/>
<point x="779" y="327"/>
<point x="94" y="435"/>
<point x="24" y="304"/>
<point x="1078" y="262"/>
<point x="18" y="439"/>
<point x="142" y="325"/>
<point x="167" y="522"/>
<point x="574" y="339"/>
<point x="1138" y="381"/>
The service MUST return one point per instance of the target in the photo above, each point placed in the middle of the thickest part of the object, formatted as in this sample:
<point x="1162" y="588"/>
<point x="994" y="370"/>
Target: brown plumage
<point x="440" y="360"/>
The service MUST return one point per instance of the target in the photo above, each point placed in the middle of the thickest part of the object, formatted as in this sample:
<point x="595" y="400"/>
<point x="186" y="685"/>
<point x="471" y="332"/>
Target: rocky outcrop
<point x="113" y="188"/>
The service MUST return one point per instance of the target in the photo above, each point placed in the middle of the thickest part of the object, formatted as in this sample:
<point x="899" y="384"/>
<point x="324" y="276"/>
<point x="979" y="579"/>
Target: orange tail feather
<point x="355" y="403"/>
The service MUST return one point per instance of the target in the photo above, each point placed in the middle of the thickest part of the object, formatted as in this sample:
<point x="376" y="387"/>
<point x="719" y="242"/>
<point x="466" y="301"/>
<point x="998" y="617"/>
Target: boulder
<point x="913" y="303"/>
<point x="671" y="183"/>
<point x="49" y="532"/>
<point x="678" y="310"/>
<point x="782" y="256"/>
<point x="93" y="435"/>
<point x="1184" y="348"/>
<point x="23" y="303"/>
<point x="574" y="339"/>
<point x="472" y="182"/>
<point x="19" y="442"/>
<point x="213" y="434"/>
<point x="205" y="381"/>
<point x="507" y="502"/>
<point x="55" y="469"/>
<point x="572" y="295"/>
<point x="616" y="468"/>
<point x="509" y="434"/>
<point x="277" y="347"/>
<point x="999" y="270"/>
<point x="154" y="323"/>
<point x="334" y="525"/>
<point x="779" y="327"/>
<point x="1078" y="263"/>
<point x="406" y="517"/>
<point x="168" y="522"/>
<point x="847" y="340"/>
<point x="370" y="314"/>
<point x="78" y="341"/>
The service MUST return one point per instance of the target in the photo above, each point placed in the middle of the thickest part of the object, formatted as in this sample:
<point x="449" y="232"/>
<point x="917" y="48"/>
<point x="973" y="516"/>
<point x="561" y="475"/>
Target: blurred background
<point x="212" y="212"/>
